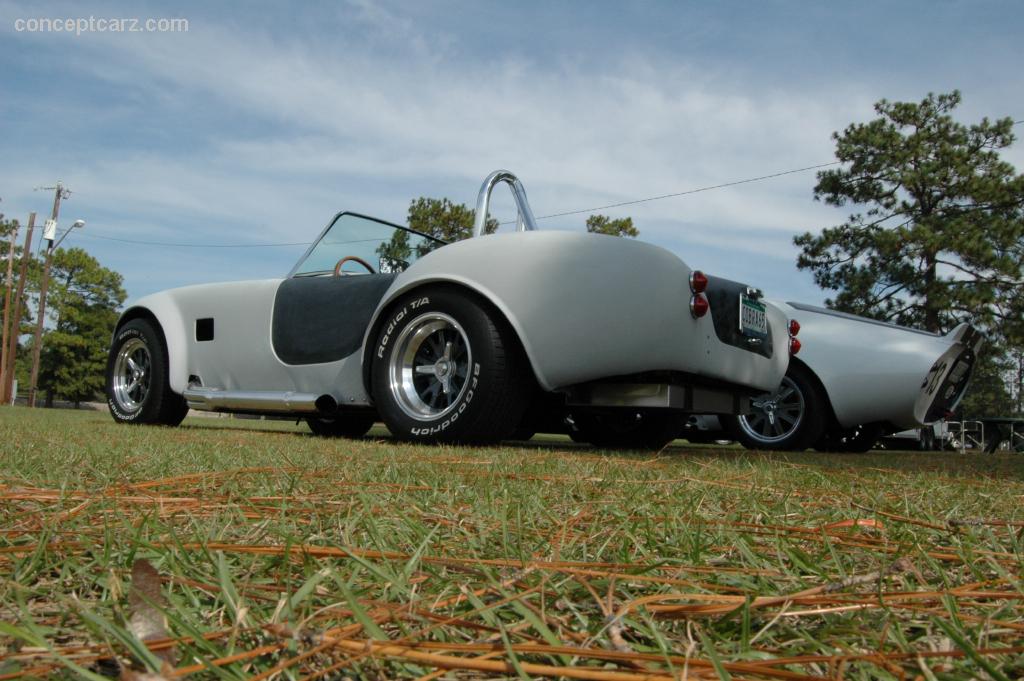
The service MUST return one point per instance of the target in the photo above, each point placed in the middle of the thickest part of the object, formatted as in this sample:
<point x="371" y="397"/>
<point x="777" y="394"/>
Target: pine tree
<point x="941" y="235"/>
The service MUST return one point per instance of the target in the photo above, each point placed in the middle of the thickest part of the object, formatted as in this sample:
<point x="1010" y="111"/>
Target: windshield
<point x="383" y="246"/>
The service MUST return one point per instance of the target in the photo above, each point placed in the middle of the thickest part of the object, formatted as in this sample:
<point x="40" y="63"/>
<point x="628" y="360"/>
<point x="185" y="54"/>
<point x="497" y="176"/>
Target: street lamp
<point x="77" y="224"/>
<point x="37" y="338"/>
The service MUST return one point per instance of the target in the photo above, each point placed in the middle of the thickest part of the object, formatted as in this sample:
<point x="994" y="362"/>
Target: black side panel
<point x="724" y="297"/>
<point x="323" y="319"/>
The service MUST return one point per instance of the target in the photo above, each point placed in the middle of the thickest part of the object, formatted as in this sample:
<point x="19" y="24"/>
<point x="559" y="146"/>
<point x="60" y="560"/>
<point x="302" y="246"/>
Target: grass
<point x="281" y="555"/>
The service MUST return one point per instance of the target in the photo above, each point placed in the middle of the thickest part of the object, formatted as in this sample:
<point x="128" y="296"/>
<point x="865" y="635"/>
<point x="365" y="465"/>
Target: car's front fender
<point x="163" y="308"/>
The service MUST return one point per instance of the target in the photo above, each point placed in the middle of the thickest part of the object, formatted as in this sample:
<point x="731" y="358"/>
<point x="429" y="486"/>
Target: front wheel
<point x="447" y="368"/>
<point x="137" y="387"/>
<point x="790" y="419"/>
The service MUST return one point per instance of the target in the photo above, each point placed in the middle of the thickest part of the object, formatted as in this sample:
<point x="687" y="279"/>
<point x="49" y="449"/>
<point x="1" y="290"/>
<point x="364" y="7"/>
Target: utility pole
<point x="59" y="192"/>
<point x="38" y="335"/>
<point x="7" y="312"/>
<point x="51" y="231"/>
<point x="12" y="342"/>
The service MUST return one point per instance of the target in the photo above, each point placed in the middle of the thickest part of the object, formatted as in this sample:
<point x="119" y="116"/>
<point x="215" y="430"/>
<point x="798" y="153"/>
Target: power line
<point x="695" y="191"/>
<point x="701" y="189"/>
<point x="689" y="191"/>
<point x="633" y="202"/>
<point x="542" y="217"/>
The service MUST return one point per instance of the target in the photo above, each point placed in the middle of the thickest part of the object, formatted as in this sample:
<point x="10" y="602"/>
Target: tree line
<point x="82" y="308"/>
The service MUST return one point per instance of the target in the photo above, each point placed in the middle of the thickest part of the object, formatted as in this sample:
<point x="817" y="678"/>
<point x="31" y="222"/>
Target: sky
<point x="262" y="120"/>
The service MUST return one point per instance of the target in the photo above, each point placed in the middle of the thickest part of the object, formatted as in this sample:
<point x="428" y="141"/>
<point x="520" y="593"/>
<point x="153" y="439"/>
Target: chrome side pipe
<point x="525" y="220"/>
<point x="207" y="399"/>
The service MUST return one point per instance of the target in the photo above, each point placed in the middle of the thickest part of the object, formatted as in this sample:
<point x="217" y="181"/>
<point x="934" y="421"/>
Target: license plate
<point x="753" y="321"/>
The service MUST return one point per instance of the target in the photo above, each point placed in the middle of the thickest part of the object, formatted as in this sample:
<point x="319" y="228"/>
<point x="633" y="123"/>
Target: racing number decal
<point x="934" y="378"/>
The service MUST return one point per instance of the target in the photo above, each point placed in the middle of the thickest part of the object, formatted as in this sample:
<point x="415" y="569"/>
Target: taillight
<point x="794" y="327"/>
<point x="794" y="346"/>
<point x="698" y="281"/>
<point x="699" y="305"/>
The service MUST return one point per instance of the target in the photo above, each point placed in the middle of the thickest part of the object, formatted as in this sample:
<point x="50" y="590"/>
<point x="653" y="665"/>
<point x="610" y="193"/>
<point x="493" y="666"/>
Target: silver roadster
<point x="859" y="379"/>
<point x="493" y="337"/>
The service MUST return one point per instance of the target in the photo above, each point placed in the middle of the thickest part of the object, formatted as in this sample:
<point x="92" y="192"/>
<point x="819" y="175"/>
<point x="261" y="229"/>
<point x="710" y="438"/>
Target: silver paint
<point x="873" y="371"/>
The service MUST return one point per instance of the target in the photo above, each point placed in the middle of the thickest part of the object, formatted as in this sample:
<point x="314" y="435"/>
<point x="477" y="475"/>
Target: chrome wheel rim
<point x="777" y="415"/>
<point x="132" y="372"/>
<point x="429" y="366"/>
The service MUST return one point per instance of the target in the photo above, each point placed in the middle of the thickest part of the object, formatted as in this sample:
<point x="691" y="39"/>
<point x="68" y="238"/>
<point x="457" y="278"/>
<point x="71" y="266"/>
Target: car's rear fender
<point x="584" y="306"/>
<point x="469" y="288"/>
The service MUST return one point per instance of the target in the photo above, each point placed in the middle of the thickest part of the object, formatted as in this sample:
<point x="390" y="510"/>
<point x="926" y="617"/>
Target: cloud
<point x="644" y="129"/>
<point x="242" y="130"/>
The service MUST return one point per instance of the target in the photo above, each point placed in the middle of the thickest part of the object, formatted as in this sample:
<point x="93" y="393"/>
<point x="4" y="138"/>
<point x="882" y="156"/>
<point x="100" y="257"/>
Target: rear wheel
<point x="791" y="418"/>
<point x="137" y="387"/>
<point x="350" y="425"/>
<point x="627" y="429"/>
<point x="446" y="368"/>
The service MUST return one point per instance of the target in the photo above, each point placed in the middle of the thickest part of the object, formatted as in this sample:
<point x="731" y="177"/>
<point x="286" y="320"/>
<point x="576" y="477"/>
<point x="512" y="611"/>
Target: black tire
<point x="856" y="440"/>
<point x="346" y="424"/>
<point x="792" y="418"/>
<point x="446" y="368"/>
<point x="627" y="428"/>
<point x="137" y="387"/>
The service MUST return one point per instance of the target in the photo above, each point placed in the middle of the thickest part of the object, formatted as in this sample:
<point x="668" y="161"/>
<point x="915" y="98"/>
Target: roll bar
<point x="525" y="220"/>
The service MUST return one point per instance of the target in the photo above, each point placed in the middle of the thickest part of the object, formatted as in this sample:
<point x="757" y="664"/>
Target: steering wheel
<point x="352" y="258"/>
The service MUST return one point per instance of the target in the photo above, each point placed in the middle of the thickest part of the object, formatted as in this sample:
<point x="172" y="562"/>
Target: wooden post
<point x="58" y="194"/>
<point x="7" y="314"/>
<point x="12" y="342"/>
<point x="37" y="338"/>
